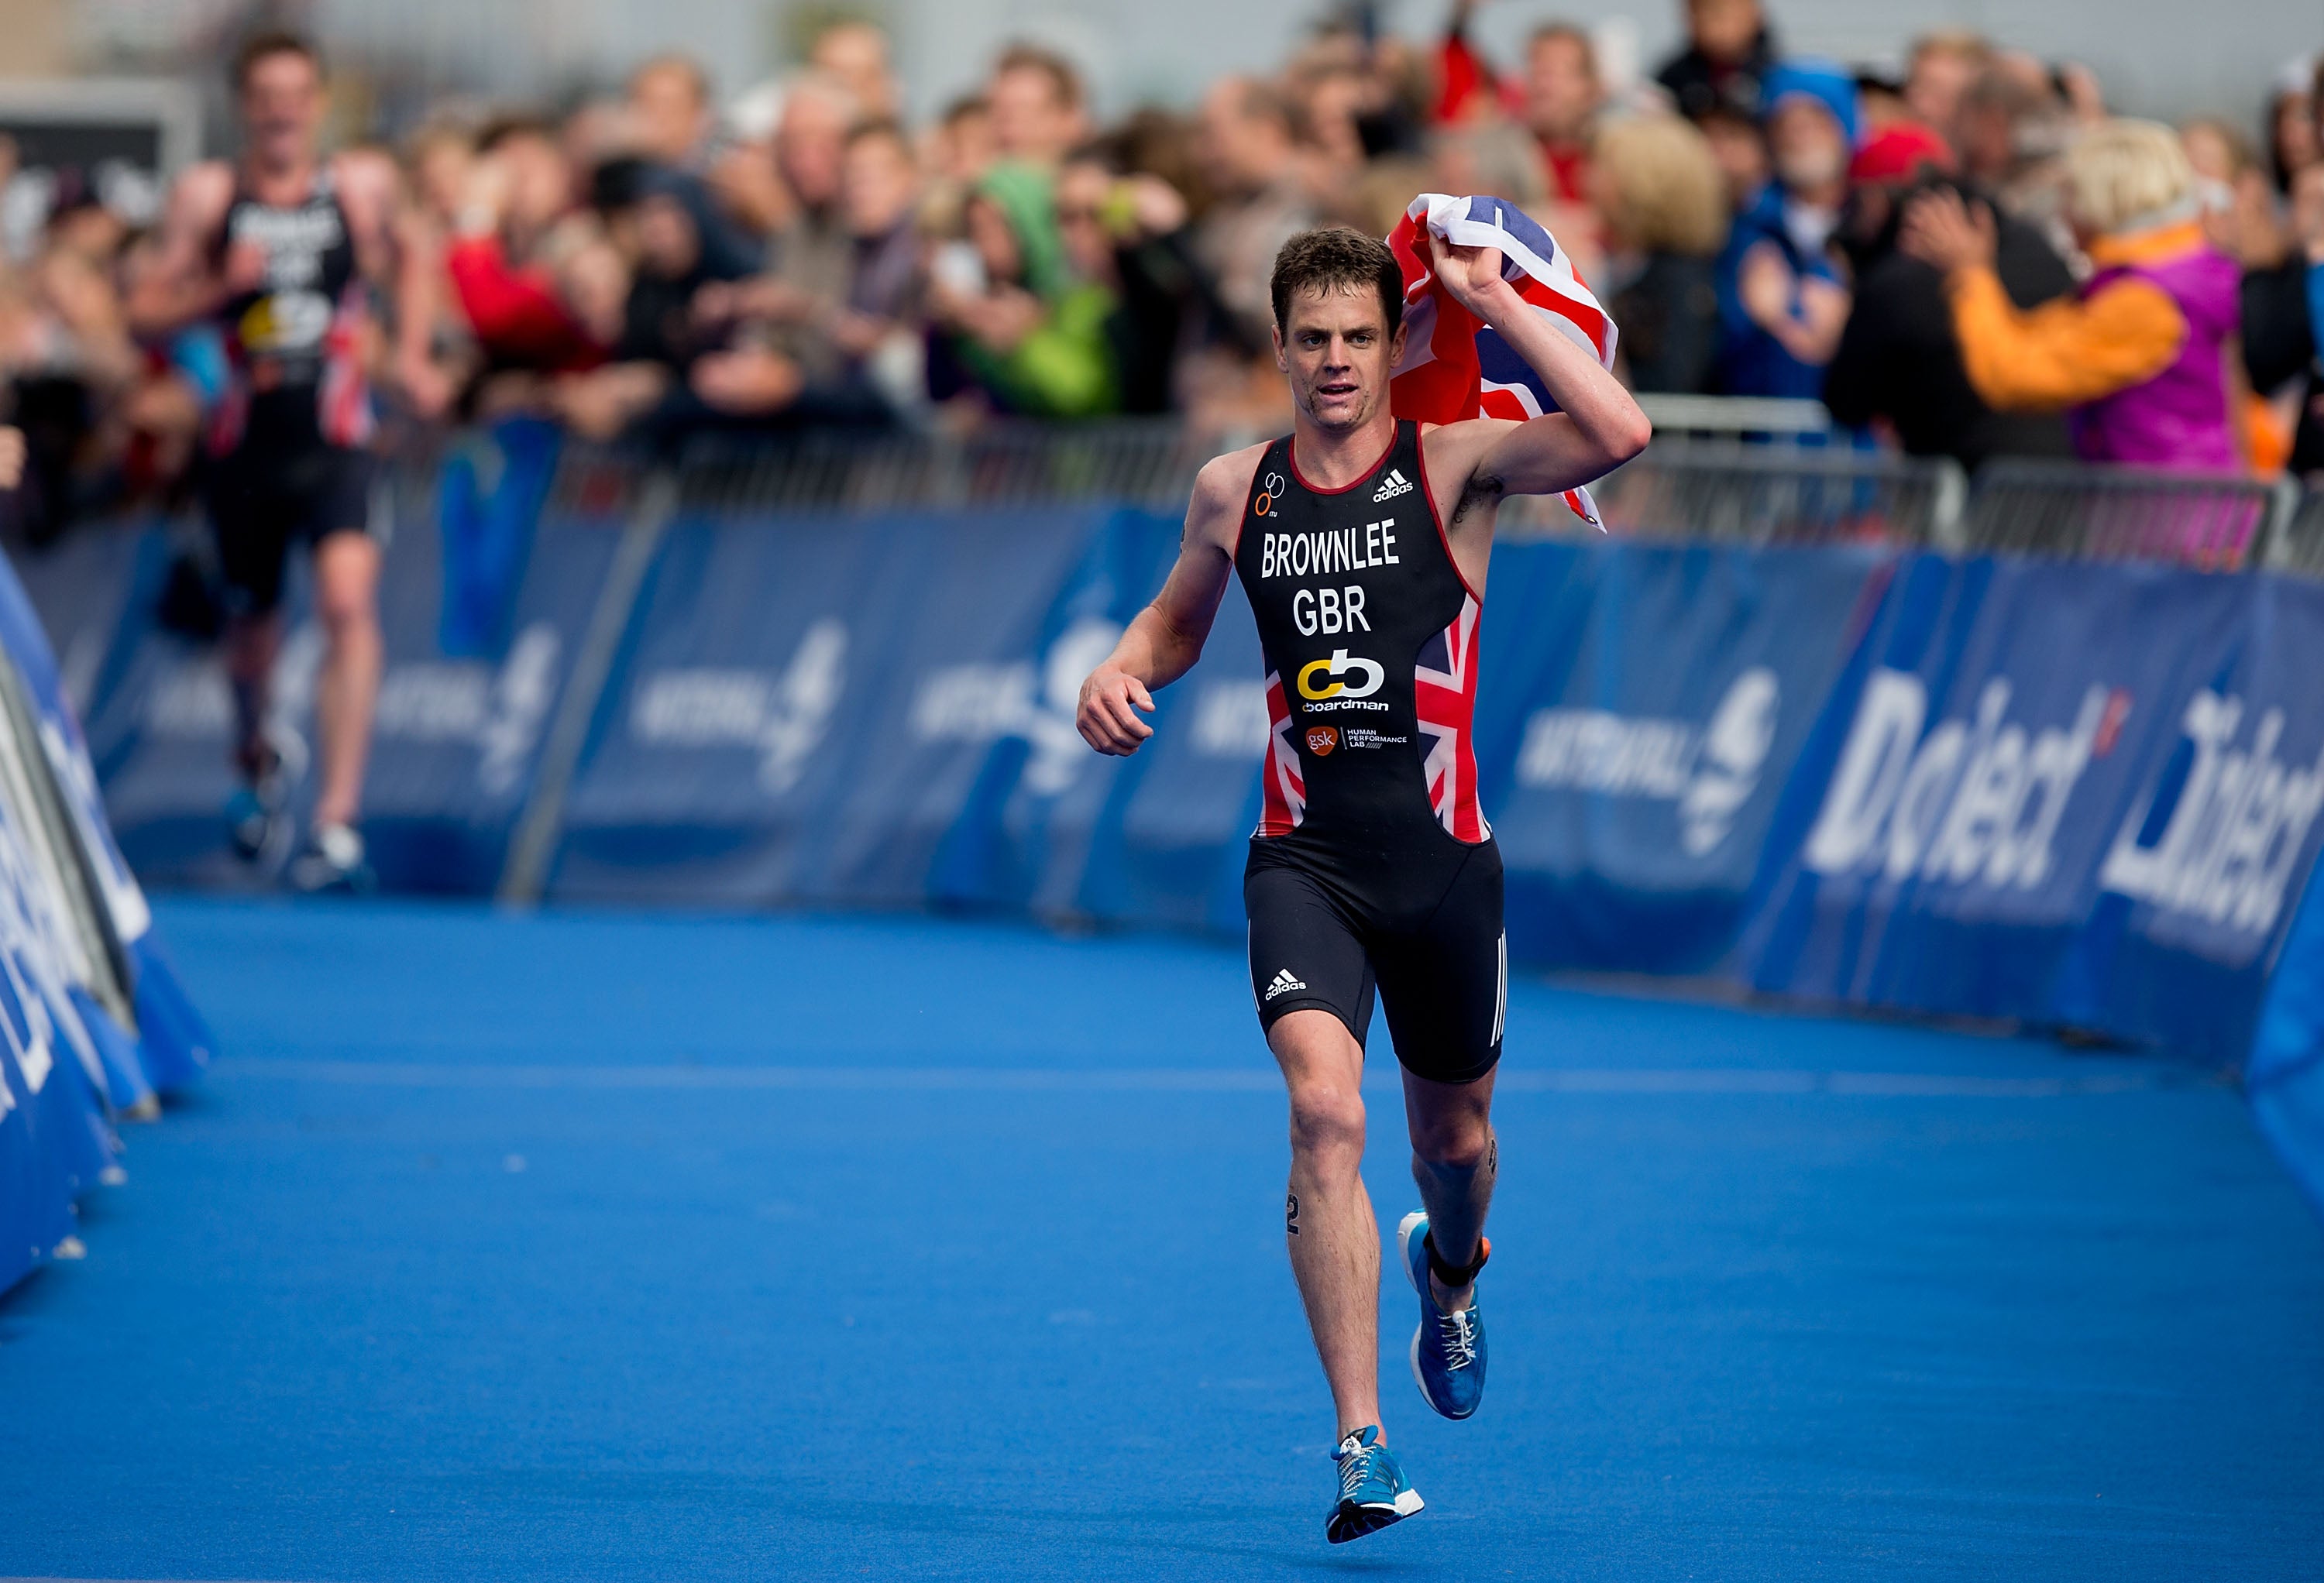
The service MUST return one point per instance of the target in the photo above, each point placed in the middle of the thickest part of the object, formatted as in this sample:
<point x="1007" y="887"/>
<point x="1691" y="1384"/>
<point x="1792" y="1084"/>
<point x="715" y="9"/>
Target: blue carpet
<point x="594" y="1247"/>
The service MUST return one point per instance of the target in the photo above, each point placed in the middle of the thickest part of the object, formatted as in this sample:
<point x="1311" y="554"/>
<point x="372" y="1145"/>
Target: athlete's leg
<point x="1334" y="1241"/>
<point x="346" y="603"/>
<point x="251" y="644"/>
<point x="1454" y="1160"/>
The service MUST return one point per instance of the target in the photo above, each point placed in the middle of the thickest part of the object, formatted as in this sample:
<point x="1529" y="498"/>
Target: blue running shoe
<point x="1373" y="1490"/>
<point x="1448" y="1350"/>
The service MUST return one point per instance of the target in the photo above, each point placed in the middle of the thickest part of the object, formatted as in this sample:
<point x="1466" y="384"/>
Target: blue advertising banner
<point x="456" y="734"/>
<point x="1641" y="709"/>
<point x="808" y="706"/>
<point x="2024" y="805"/>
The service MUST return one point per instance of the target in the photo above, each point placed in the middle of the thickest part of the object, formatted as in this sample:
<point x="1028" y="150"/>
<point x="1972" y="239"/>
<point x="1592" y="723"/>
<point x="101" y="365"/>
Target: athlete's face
<point x="282" y="107"/>
<point x="1337" y="352"/>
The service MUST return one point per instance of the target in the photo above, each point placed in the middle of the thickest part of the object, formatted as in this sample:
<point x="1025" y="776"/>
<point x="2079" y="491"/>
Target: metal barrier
<point x="1147" y="462"/>
<point x="1774" y="420"/>
<point x="2299" y="544"/>
<point x="2085" y="511"/>
<point x="1738" y="493"/>
<point x="1683" y="486"/>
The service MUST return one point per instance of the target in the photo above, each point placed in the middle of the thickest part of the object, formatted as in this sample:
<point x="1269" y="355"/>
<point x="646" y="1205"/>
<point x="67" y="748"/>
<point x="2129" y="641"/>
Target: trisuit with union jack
<point x="1363" y="539"/>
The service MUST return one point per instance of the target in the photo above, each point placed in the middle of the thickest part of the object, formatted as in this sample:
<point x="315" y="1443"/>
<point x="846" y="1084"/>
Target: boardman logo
<point x="1393" y="486"/>
<point x="1709" y="772"/>
<point x="1969" y="802"/>
<point x="2234" y="838"/>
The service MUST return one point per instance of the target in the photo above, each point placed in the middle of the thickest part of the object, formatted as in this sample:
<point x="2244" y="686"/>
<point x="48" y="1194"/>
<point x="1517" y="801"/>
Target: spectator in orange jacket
<point x="2145" y="362"/>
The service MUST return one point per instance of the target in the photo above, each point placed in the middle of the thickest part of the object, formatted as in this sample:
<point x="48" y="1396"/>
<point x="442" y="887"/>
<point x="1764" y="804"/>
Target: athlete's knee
<point x="1327" y="1121"/>
<point x="1459" y="1143"/>
<point x="347" y="583"/>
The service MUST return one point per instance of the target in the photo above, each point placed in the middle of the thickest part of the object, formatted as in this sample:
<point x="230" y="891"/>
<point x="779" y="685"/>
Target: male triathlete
<point x="282" y="252"/>
<point x="1363" y="543"/>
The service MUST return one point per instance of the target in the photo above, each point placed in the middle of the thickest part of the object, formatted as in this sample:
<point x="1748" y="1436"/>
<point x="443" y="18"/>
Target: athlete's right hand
<point x="1108" y="717"/>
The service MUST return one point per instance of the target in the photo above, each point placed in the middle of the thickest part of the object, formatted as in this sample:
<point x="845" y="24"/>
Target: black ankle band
<point x="1455" y="1277"/>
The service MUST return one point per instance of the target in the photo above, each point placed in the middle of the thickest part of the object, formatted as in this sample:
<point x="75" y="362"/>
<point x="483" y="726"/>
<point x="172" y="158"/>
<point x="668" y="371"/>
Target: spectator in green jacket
<point x="1029" y="335"/>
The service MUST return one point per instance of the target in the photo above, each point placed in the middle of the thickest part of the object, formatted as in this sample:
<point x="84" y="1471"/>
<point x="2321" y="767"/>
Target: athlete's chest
<point x="1364" y="562"/>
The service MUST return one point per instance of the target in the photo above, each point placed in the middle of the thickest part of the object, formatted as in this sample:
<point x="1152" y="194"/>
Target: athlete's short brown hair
<point x="265" y="45"/>
<point x="1334" y="258"/>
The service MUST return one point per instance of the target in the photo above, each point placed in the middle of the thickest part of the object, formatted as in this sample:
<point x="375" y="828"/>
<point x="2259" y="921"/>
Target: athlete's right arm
<point x="1166" y="637"/>
<point x="177" y="283"/>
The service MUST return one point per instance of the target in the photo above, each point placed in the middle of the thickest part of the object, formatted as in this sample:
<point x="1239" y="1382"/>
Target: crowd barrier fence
<point x="1800" y="725"/>
<point x="94" y="1025"/>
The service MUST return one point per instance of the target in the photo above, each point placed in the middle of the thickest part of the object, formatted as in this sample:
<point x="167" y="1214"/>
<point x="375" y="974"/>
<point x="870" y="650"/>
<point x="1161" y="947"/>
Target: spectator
<point x="1781" y="303"/>
<point x="1036" y="107"/>
<point x="2280" y="308"/>
<point x="2143" y="360"/>
<point x="1246" y="152"/>
<point x="1730" y="50"/>
<point x="1663" y="197"/>
<point x="1129" y="235"/>
<point x="960" y="147"/>
<point x="1562" y="96"/>
<point x="524" y="317"/>
<point x="854" y="55"/>
<point x="1032" y="339"/>
<point x="1740" y="148"/>
<point x="1938" y="76"/>
<point x="667" y="121"/>
<point x="2293" y="143"/>
<point x="1899" y="367"/>
<point x="669" y="104"/>
<point x="2237" y="203"/>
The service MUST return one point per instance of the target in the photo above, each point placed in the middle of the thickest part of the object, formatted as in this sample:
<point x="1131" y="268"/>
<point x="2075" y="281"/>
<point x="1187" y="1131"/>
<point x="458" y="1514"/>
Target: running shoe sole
<point x="1353" y="1521"/>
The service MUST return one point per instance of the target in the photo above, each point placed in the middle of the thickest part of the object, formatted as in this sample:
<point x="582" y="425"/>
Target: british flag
<point x="1444" y="693"/>
<point x="1456" y="367"/>
<point x="1285" y="800"/>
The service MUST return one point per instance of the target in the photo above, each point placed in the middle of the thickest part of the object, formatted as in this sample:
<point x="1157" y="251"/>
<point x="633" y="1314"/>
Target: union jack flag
<point x="1445" y="696"/>
<point x="1456" y="367"/>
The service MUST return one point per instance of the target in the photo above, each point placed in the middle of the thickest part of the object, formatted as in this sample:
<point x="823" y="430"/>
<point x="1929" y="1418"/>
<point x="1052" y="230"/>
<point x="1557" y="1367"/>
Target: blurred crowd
<point x="1968" y="256"/>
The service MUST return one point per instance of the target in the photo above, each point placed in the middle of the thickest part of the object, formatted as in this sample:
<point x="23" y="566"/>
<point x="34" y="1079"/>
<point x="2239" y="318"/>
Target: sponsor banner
<point x="838" y="708"/>
<point x="458" y="733"/>
<point x="455" y="740"/>
<point x="2072" y="794"/>
<point x="1641" y="709"/>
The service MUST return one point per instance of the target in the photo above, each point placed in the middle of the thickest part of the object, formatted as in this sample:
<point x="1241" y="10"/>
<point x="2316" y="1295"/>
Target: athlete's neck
<point x="281" y="185"/>
<point x="1334" y="458"/>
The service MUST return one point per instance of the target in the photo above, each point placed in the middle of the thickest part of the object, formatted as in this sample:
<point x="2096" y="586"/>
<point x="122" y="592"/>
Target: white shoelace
<point x="1355" y="1466"/>
<point x="1459" y="1330"/>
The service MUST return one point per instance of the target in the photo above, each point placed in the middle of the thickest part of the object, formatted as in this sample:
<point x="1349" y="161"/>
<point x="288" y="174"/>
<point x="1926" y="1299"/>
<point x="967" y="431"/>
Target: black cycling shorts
<point x="1426" y="934"/>
<point x="263" y="498"/>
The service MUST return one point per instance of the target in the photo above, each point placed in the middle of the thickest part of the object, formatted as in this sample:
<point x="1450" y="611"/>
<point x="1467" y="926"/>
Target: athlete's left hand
<point x="426" y="387"/>
<point x="1471" y="274"/>
<point x="1108" y="718"/>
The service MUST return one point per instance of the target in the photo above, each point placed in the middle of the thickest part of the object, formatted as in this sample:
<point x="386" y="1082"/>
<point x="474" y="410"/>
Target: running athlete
<point x="280" y="253"/>
<point x="1362" y="544"/>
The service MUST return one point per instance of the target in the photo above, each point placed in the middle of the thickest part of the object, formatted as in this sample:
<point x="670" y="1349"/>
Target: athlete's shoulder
<point x="366" y="179"/>
<point x="1221" y="490"/>
<point x="204" y="189"/>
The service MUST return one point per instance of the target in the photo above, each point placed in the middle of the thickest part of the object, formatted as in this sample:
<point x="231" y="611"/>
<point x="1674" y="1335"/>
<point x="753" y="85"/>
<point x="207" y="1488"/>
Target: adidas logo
<point x="1284" y="982"/>
<point x="1393" y="486"/>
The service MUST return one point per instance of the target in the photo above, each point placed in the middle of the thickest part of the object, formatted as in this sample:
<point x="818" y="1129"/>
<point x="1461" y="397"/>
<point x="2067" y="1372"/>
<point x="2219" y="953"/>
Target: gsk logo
<point x="1322" y="739"/>
<point x="1340" y="664"/>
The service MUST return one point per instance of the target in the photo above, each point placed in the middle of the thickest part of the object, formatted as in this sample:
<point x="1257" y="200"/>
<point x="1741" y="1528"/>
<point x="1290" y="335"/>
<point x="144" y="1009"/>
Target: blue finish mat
<point x="584" y="1246"/>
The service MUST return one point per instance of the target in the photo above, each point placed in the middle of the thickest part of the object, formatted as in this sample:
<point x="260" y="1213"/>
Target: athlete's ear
<point x="1280" y="364"/>
<point x="1396" y="346"/>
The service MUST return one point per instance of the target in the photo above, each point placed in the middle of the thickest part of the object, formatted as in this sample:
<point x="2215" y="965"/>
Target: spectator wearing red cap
<point x="1899" y="366"/>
